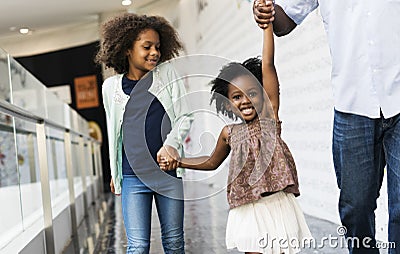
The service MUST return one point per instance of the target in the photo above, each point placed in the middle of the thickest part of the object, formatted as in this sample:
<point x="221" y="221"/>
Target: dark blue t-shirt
<point x="127" y="86"/>
<point x="145" y="126"/>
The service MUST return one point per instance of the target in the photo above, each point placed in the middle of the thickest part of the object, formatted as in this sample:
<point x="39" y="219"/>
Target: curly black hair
<point x="119" y="33"/>
<point x="229" y="72"/>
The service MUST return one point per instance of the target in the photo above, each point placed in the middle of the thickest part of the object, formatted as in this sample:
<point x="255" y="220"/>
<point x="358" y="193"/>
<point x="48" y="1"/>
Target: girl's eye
<point x="147" y="47"/>
<point x="252" y="94"/>
<point x="236" y="97"/>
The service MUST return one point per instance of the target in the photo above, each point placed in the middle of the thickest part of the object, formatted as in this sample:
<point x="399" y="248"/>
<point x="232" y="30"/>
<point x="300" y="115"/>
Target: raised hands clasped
<point x="263" y="11"/>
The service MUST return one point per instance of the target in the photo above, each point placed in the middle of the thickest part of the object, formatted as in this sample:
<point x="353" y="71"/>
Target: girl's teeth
<point x="247" y="111"/>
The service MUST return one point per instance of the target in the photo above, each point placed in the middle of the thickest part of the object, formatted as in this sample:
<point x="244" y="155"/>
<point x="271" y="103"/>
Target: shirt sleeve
<point x="297" y="10"/>
<point x="183" y="116"/>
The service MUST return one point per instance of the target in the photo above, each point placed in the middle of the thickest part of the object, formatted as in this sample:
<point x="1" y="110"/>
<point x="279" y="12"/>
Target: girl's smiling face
<point x="246" y="97"/>
<point x="144" y="54"/>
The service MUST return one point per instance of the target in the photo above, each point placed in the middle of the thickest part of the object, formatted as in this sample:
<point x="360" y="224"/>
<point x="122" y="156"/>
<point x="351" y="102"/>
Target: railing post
<point x="89" y="159"/>
<point x="31" y="157"/>
<point x="45" y="184"/>
<point x="99" y="167"/>
<point x="54" y="156"/>
<point x="71" y="188"/>
<point x="82" y="170"/>
<point x="96" y="166"/>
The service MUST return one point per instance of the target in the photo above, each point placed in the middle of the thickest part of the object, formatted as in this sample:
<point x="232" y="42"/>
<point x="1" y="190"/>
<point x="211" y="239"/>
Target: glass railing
<point x="50" y="168"/>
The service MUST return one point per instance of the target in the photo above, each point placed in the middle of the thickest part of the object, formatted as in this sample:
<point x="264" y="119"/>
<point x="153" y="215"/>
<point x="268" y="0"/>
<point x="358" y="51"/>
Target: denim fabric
<point x="137" y="200"/>
<point x="362" y="147"/>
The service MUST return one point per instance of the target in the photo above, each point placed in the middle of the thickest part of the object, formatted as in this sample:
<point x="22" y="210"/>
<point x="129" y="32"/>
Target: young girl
<point x="143" y="114"/>
<point x="264" y="216"/>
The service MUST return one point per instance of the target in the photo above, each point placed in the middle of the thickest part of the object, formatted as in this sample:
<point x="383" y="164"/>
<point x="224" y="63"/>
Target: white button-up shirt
<point x="364" y="39"/>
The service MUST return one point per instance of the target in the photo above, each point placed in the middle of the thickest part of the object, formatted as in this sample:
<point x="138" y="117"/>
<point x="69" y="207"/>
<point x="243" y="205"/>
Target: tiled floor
<point x="205" y="222"/>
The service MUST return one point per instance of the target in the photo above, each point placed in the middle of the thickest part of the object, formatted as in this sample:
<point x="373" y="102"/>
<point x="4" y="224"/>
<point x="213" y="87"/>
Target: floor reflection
<point x="205" y="221"/>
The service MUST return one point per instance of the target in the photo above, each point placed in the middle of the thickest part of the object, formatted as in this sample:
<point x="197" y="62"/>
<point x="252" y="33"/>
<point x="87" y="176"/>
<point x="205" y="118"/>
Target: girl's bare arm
<point x="270" y="78"/>
<point x="213" y="161"/>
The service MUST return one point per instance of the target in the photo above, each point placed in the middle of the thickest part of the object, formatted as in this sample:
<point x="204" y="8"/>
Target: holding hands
<point x="168" y="158"/>
<point x="263" y="11"/>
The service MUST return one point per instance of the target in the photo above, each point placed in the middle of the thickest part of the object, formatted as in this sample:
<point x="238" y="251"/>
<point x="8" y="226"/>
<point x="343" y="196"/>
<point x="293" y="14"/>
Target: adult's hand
<point x="263" y="11"/>
<point x="168" y="158"/>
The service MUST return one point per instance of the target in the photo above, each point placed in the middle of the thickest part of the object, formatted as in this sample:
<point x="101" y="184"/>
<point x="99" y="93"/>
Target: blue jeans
<point x="362" y="147"/>
<point x="137" y="199"/>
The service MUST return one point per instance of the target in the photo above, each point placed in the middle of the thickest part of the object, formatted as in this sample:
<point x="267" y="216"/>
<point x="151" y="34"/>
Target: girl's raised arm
<point x="270" y="78"/>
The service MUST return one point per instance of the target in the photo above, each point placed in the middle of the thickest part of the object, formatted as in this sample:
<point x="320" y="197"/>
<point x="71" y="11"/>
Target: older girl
<point x="143" y="114"/>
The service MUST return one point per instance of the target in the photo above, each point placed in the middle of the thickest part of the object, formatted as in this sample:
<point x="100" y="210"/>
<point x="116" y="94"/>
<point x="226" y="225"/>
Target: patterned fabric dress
<point x="262" y="185"/>
<point x="261" y="163"/>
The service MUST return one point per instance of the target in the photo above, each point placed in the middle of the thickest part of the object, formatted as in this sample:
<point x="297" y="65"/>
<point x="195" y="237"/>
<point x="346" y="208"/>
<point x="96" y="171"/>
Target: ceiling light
<point x="24" y="30"/>
<point x="126" y="2"/>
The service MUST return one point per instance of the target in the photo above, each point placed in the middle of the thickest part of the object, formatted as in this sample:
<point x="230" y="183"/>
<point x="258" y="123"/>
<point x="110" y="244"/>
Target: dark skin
<point x="264" y="15"/>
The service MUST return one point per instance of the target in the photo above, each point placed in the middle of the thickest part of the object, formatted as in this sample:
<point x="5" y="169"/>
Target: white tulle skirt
<point x="272" y="225"/>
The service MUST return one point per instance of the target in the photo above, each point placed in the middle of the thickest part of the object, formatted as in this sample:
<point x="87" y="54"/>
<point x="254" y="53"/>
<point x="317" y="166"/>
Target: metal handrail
<point x="84" y="140"/>
<point x="16" y="111"/>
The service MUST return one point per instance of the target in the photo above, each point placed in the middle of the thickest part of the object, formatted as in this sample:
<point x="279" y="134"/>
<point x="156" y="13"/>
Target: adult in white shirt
<point x="364" y="40"/>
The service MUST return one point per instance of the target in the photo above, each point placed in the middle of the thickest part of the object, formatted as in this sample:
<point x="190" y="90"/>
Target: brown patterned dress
<point x="261" y="162"/>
